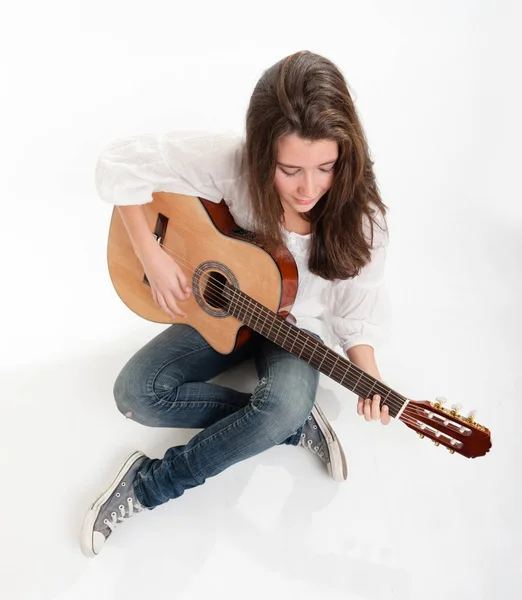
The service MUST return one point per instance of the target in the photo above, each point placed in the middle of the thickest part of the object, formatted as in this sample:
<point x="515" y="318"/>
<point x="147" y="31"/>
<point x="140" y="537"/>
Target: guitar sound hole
<point x="214" y="290"/>
<point x="213" y="285"/>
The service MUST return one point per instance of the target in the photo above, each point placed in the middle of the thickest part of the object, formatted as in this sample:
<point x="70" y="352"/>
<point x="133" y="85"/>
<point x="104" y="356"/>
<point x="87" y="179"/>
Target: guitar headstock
<point x="447" y="427"/>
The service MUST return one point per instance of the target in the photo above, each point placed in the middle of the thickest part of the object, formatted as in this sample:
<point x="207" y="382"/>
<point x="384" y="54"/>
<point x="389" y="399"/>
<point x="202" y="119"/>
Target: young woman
<point x="302" y="177"/>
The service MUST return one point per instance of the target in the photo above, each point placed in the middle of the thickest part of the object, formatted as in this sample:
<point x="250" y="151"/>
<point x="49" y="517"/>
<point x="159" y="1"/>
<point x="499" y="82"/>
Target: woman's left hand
<point x="372" y="411"/>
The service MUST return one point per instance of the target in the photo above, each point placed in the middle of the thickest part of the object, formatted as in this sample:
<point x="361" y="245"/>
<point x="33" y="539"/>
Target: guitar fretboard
<point x="303" y="345"/>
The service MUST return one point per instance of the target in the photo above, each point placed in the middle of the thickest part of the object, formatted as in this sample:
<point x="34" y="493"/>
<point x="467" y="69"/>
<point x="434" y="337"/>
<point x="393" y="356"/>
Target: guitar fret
<point x="335" y="363"/>
<point x="312" y="355"/>
<point x="357" y="383"/>
<point x="277" y="333"/>
<point x="255" y="324"/>
<point x="346" y="373"/>
<point x="288" y="329"/>
<point x="302" y="347"/>
<point x="293" y="343"/>
<point x="264" y="322"/>
<point x="270" y="328"/>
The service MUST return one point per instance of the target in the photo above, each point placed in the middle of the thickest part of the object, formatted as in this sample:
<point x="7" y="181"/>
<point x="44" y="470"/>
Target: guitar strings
<point x="405" y="416"/>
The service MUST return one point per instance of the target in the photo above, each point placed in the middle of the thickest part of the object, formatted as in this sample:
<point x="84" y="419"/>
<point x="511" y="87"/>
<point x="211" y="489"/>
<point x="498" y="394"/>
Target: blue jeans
<point x="164" y="385"/>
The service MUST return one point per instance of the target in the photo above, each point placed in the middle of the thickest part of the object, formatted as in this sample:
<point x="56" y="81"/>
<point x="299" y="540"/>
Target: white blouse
<point x="344" y="312"/>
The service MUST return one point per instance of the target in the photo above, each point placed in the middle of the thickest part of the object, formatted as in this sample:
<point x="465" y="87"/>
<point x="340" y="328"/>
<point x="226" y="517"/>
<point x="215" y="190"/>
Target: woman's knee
<point x="121" y="395"/>
<point x="284" y="412"/>
<point x="133" y="399"/>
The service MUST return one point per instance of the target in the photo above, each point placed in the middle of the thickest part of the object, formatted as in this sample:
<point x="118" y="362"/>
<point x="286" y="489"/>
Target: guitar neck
<point x="303" y="345"/>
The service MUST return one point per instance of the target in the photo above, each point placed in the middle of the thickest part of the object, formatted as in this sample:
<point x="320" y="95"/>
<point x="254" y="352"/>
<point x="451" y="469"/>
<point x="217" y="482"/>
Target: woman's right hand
<point x="167" y="280"/>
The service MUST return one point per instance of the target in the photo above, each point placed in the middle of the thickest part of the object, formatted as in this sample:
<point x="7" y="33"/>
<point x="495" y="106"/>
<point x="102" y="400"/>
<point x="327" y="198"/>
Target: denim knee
<point x="132" y="398"/>
<point x="282" y="415"/>
<point x="120" y="394"/>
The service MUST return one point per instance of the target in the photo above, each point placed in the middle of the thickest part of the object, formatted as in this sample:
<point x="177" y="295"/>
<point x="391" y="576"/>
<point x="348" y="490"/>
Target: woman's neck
<point x="293" y="222"/>
<point x="302" y="228"/>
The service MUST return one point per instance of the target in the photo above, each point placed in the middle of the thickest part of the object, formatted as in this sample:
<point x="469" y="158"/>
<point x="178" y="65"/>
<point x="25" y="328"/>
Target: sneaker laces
<point x="309" y="443"/>
<point x="133" y="506"/>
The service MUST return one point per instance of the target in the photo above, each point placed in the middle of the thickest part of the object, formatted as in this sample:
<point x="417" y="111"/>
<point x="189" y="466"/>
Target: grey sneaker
<point x="319" y="437"/>
<point x="117" y="503"/>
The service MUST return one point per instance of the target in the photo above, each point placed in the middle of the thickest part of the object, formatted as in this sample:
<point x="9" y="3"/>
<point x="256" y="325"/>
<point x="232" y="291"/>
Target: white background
<point x="437" y="85"/>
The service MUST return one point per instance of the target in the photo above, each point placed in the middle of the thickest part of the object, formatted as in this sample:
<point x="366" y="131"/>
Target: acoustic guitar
<point x="238" y="286"/>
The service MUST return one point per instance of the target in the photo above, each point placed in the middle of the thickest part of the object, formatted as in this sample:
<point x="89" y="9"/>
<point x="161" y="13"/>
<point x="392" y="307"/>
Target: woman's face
<point x="304" y="171"/>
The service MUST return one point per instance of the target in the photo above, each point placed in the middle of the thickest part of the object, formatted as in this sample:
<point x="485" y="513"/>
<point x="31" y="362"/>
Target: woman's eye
<point x="296" y="172"/>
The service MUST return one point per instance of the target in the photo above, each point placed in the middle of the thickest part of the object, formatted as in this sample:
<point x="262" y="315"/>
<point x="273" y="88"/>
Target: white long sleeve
<point x="130" y="169"/>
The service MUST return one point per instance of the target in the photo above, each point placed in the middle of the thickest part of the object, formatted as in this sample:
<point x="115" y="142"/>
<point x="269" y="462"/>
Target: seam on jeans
<point x="268" y="379"/>
<point x="185" y="405"/>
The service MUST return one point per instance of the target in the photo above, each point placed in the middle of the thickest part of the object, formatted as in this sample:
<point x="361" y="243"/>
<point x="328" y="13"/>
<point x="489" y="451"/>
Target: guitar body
<point x="202" y="237"/>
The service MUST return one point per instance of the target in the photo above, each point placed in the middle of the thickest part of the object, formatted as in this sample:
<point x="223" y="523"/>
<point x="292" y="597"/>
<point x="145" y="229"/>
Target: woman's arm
<point x="363" y="356"/>
<point x="143" y="241"/>
<point x="167" y="281"/>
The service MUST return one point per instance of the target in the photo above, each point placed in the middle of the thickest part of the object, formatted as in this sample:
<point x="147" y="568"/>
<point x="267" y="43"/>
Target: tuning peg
<point x="440" y="401"/>
<point x="451" y="450"/>
<point x="436" y="443"/>
<point x="455" y="408"/>
<point x="471" y="415"/>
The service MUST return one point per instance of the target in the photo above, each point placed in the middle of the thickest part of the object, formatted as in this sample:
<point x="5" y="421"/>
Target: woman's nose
<point x="307" y="188"/>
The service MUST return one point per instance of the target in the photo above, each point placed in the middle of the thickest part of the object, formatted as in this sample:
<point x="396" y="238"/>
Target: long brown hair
<point x="306" y="94"/>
